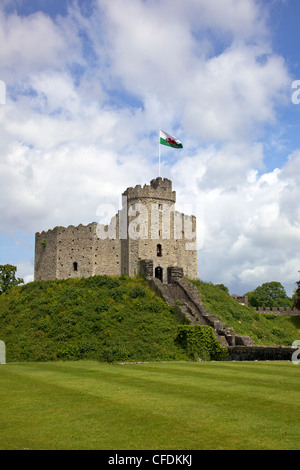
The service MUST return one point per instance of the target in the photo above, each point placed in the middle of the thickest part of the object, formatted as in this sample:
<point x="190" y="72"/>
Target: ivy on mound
<point x="199" y="342"/>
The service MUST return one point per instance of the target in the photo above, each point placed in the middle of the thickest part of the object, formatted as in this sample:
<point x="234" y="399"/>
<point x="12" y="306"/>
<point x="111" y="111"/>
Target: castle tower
<point x="146" y="230"/>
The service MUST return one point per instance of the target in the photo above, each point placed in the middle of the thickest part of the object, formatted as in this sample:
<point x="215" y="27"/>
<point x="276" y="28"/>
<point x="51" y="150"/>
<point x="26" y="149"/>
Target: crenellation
<point x="158" y="188"/>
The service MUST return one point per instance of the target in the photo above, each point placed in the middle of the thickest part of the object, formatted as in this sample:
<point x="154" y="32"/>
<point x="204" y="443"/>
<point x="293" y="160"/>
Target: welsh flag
<point x="169" y="140"/>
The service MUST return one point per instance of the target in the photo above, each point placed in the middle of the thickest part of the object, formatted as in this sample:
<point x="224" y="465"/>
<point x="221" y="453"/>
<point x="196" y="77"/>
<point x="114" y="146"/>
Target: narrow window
<point x="160" y="207"/>
<point x="75" y="266"/>
<point x="158" y="250"/>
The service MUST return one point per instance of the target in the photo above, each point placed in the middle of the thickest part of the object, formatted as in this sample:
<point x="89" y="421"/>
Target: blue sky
<point x="90" y="83"/>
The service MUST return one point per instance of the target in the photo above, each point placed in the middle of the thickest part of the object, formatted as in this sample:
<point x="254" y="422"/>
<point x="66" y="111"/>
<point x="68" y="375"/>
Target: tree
<point x="8" y="277"/>
<point x="224" y="288"/>
<point x="269" y="294"/>
<point x="296" y="296"/>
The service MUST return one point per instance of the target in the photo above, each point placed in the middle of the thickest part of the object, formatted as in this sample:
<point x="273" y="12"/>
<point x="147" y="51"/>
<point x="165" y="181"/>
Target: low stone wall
<point x="278" y="311"/>
<point x="146" y="268"/>
<point x="260" y="353"/>
<point x="243" y="300"/>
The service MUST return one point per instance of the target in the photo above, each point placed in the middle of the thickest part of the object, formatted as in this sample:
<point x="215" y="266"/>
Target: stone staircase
<point x="185" y="298"/>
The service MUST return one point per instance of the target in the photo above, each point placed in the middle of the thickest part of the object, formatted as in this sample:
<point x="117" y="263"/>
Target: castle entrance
<point x="159" y="273"/>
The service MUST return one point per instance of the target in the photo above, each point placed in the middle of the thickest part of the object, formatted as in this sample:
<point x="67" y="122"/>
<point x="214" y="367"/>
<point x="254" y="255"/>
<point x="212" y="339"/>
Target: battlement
<point x="71" y="228"/>
<point x="159" y="188"/>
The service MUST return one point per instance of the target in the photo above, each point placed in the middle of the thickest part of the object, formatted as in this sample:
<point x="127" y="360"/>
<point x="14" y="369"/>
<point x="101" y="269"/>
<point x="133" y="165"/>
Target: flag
<point x="169" y="140"/>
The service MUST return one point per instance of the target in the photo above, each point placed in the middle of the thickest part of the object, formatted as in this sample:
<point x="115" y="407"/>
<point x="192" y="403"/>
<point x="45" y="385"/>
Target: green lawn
<point x="151" y="406"/>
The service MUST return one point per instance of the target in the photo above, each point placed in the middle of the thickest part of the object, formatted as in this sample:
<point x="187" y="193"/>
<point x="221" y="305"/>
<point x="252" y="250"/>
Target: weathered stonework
<point x="75" y="252"/>
<point x="147" y="233"/>
<point x="278" y="311"/>
<point x="292" y="312"/>
<point x="260" y="353"/>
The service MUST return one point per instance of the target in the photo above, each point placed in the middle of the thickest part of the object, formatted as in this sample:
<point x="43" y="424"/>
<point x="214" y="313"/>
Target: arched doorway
<point x="159" y="273"/>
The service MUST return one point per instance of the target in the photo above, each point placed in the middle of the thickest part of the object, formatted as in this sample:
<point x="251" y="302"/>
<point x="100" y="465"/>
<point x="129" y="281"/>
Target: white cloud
<point x="249" y="237"/>
<point x="234" y="95"/>
<point x="224" y="97"/>
<point x="31" y="43"/>
<point x="243" y="19"/>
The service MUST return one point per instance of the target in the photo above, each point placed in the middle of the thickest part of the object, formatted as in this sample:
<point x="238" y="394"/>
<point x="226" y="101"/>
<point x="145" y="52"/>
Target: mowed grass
<point x="150" y="406"/>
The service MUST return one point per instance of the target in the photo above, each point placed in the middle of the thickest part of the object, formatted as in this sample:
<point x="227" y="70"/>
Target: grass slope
<point x="263" y="328"/>
<point x="184" y="406"/>
<point x="101" y="318"/>
<point x="113" y="319"/>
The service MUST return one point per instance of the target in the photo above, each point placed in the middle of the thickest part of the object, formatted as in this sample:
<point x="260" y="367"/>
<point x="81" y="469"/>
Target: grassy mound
<point x="101" y="318"/>
<point x="114" y="319"/>
<point x="263" y="328"/>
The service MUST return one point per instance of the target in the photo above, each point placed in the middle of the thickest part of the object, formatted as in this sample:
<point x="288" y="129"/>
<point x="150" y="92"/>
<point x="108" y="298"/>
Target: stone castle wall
<point x="278" y="311"/>
<point x="75" y="252"/>
<point x="147" y="227"/>
<point x="243" y="300"/>
<point x="45" y="261"/>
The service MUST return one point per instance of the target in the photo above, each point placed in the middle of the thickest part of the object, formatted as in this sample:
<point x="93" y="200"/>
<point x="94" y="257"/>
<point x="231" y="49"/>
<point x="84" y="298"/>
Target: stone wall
<point x="260" y="353"/>
<point x="45" y="262"/>
<point x="146" y="268"/>
<point x="146" y="228"/>
<point x="243" y="300"/>
<point x="66" y="252"/>
<point x="278" y="311"/>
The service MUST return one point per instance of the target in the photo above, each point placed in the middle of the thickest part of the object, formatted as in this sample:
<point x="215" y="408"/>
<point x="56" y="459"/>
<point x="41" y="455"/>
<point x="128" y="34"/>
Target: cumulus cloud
<point x="250" y="227"/>
<point x="225" y="95"/>
<point x="31" y="43"/>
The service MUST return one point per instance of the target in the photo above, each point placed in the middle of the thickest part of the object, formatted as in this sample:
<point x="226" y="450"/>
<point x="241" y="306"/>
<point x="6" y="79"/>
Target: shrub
<point x="137" y="291"/>
<point x="277" y="332"/>
<point x="102" y="307"/>
<point x="100" y="281"/>
<point x="114" y="353"/>
<point x="116" y="293"/>
<point x="69" y="352"/>
<point x="199" y="341"/>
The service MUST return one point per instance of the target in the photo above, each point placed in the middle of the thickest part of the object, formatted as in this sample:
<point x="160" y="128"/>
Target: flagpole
<point x="159" y="153"/>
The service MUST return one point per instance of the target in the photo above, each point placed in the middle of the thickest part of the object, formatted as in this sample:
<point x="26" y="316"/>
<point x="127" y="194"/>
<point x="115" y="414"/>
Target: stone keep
<point x="146" y="229"/>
